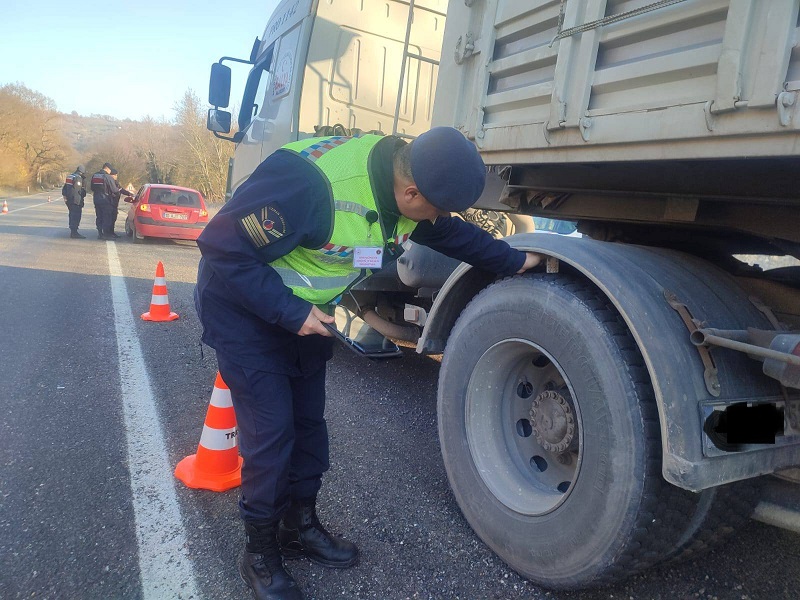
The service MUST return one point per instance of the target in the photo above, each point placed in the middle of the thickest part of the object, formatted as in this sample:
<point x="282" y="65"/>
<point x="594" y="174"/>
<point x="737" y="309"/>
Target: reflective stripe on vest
<point x="293" y="279"/>
<point x="353" y="207"/>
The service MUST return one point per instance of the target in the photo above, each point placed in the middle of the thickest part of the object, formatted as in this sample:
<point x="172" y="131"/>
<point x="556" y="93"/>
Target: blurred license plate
<point x="179" y="216"/>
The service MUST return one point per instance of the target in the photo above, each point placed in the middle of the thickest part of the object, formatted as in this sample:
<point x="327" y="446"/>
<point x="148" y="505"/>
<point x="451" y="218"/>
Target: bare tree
<point x="31" y="136"/>
<point x="203" y="159"/>
<point x="34" y="147"/>
<point x="120" y="149"/>
<point x="157" y="143"/>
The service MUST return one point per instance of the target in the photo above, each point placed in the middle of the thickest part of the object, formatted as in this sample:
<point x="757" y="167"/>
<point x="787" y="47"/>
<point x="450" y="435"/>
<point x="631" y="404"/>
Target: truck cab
<point x="334" y="64"/>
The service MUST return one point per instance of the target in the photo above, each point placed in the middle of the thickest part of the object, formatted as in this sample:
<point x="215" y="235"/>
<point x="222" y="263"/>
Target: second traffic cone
<point x="159" y="303"/>
<point x="217" y="465"/>
<point x="5" y="207"/>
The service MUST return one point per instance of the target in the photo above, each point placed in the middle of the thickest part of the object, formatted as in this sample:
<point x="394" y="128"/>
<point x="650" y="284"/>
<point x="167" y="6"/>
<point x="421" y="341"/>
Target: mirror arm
<point x="239" y="60"/>
<point x="235" y="138"/>
<point x="225" y="137"/>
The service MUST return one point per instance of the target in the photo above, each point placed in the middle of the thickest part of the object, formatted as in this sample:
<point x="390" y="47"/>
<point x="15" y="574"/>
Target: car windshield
<point x="175" y="198"/>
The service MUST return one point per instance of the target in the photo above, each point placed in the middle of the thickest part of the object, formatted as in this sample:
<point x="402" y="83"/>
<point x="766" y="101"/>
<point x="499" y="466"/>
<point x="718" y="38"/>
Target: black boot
<point x="77" y="236"/>
<point x="261" y="565"/>
<point x="301" y="534"/>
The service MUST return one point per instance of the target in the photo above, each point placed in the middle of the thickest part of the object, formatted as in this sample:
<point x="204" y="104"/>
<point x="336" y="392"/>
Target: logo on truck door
<point x="282" y="80"/>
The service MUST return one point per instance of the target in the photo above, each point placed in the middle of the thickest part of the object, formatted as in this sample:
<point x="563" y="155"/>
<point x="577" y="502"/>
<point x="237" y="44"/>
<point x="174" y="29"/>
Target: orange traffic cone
<point x="5" y="207"/>
<point x="217" y="465"/>
<point x="48" y="198"/>
<point x="159" y="303"/>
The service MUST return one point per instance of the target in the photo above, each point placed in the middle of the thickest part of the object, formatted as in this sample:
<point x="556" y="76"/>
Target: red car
<point x="166" y="211"/>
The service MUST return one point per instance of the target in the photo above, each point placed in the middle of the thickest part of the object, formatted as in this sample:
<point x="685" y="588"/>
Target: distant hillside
<point x="83" y="132"/>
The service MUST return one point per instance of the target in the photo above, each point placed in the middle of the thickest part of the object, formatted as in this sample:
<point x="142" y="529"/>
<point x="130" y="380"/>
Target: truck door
<point x="268" y="113"/>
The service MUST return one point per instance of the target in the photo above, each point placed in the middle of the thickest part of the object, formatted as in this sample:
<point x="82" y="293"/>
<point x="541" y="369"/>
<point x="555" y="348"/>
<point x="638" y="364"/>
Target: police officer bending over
<point x="74" y="191"/>
<point x="266" y="267"/>
<point x="103" y="188"/>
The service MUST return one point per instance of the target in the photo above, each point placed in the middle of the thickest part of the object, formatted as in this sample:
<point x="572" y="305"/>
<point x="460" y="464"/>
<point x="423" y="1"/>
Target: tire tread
<point x="661" y="514"/>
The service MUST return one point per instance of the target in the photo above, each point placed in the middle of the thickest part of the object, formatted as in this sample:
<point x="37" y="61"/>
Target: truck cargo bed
<point x="562" y="81"/>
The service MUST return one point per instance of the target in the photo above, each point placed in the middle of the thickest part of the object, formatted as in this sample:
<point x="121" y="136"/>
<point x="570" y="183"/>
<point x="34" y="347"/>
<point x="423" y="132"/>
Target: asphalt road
<point x="82" y="452"/>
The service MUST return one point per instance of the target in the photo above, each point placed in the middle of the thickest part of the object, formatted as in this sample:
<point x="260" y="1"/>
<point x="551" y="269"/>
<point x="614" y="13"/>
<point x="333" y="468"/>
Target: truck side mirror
<point x="219" y="86"/>
<point x="218" y="121"/>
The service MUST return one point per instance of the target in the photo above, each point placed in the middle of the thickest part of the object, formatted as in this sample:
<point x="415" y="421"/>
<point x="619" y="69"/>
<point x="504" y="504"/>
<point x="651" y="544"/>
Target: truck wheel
<point x="550" y="435"/>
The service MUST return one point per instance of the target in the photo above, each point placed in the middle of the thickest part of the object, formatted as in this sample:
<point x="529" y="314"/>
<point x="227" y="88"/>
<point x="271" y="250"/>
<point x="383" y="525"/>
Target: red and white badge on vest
<point x="368" y="257"/>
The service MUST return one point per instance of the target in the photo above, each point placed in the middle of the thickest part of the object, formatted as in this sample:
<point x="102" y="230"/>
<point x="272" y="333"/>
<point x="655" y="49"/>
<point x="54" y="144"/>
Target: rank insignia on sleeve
<point x="265" y="226"/>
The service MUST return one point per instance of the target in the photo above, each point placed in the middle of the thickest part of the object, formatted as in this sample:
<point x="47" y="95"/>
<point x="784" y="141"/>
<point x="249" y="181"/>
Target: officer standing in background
<point x="119" y="191"/>
<point x="74" y="191"/>
<point x="103" y="188"/>
<point x="267" y="267"/>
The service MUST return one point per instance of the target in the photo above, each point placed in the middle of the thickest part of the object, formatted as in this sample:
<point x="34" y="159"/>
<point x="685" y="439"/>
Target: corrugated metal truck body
<point x="691" y="79"/>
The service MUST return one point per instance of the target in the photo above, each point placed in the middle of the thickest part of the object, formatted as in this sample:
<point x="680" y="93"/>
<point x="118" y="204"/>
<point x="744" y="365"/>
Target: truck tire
<point x="550" y="435"/>
<point x="720" y="511"/>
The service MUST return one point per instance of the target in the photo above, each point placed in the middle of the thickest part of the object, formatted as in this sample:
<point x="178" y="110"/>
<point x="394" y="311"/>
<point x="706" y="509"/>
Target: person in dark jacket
<point x="119" y="191"/>
<point x="103" y="188"/>
<point x="74" y="192"/>
<point x="291" y="240"/>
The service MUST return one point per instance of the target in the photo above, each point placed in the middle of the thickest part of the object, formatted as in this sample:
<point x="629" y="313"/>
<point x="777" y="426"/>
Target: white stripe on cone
<point x="159" y="300"/>
<point x="221" y="398"/>
<point x="218" y="439"/>
<point x="160" y="281"/>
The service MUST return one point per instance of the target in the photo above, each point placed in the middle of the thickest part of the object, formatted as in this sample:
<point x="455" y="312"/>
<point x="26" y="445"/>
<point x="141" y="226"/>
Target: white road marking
<point x="27" y="207"/>
<point x="165" y="567"/>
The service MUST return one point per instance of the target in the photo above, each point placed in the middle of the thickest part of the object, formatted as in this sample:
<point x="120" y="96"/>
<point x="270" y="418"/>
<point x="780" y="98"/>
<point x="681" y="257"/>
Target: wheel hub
<point x="553" y="421"/>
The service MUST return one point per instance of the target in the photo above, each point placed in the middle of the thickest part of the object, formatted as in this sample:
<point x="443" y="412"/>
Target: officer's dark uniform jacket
<point x="103" y="187"/>
<point x="74" y="188"/>
<point x="246" y="310"/>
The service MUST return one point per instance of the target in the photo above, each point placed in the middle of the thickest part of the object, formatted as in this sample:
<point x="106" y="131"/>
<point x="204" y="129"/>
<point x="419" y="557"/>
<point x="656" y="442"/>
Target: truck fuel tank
<point x="421" y="267"/>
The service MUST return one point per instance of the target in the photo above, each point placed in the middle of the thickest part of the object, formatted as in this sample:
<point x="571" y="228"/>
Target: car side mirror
<point x="218" y="121"/>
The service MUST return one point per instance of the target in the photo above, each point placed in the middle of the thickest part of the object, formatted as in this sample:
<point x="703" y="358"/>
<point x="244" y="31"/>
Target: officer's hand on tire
<point x="314" y="323"/>
<point x="531" y="260"/>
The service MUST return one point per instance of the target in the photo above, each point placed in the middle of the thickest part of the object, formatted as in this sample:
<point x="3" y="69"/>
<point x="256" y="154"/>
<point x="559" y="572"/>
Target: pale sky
<point x="126" y="59"/>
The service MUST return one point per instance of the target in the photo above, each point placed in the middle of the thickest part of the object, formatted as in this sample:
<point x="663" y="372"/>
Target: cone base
<point x="193" y="477"/>
<point x="171" y="317"/>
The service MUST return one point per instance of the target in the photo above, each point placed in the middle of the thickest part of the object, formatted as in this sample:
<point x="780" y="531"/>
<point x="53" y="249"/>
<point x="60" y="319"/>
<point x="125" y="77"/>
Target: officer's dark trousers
<point x="75" y="213"/>
<point x="283" y="436"/>
<point x="113" y="215"/>
<point x="103" y="210"/>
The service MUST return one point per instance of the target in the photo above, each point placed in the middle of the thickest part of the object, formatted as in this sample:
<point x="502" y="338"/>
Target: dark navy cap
<point x="447" y="169"/>
<point x="108" y="166"/>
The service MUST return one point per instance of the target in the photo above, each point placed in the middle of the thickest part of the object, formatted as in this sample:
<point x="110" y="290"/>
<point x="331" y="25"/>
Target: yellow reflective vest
<point x="320" y="276"/>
